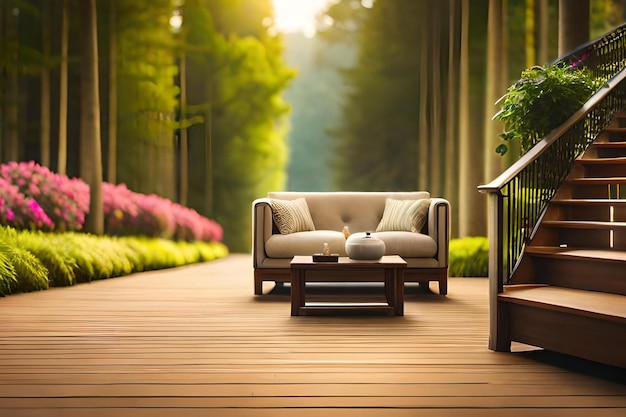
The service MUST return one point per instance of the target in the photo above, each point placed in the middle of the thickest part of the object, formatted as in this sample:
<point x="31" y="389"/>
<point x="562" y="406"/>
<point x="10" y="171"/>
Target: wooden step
<point x="602" y="167"/>
<point x="615" y="133"/>
<point x="586" y="324"/>
<point x="581" y="268"/>
<point x="583" y="224"/>
<point x="608" y="145"/>
<point x="616" y="129"/>
<point x="597" y="181"/>
<point x="604" y="148"/>
<point x="607" y="255"/>
<point x="602" y="161"/>
<point x="611" y="307"/>
<point x="589" y="201"/>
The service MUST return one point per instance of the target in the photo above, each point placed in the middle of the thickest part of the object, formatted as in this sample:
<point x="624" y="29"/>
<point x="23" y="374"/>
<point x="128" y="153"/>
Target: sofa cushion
<point x="292" y="216"/>
<point x="404" y="244"/>
<point x="305" y="243"/>
<point x="360" y="211"/>
<point x="404" y="215"/>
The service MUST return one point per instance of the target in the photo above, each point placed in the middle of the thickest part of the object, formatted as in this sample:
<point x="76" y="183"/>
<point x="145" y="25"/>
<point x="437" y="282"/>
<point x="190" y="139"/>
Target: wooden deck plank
<point x="317" y="402"/>
<point x="195" y="341"/>
<point x="316" y="412"/>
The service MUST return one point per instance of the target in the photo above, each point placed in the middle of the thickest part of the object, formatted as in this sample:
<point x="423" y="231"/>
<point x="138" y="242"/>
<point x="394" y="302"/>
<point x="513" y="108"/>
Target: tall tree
<point x="183" y="187"/>
<point x="435" y="185"/>
<point x="423" y="154"/>
<point x="146" y="96"/>
<point x="496" y="85"/>
<point x="10" y="133"/>
<point x="467" y="152"/>
<point x="542" y="18"/>
<point x="451" y="175"/>
<point x="63" y="85"/>
<point x="90" y="152"/>
<point x="531" y="55"/>
<point x="573" y="24"/>
<point x="112" y="121"/>
<point x="45" y="85"/>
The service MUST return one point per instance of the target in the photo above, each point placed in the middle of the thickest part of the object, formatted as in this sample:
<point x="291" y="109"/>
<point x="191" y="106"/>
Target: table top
<point x="345" y="262"/>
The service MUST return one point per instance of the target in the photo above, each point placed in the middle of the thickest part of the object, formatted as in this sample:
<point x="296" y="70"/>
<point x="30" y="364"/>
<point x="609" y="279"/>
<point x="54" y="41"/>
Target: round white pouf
<point x="365" y="247"/>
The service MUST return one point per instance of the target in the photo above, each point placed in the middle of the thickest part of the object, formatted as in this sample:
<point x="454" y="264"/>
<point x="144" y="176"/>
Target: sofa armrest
<point x="262" y="222"/>
<point x="439" y="228"/>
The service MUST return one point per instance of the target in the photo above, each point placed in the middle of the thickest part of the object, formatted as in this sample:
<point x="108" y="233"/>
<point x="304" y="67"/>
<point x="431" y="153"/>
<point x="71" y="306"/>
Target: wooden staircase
<point x="568" y="293"/>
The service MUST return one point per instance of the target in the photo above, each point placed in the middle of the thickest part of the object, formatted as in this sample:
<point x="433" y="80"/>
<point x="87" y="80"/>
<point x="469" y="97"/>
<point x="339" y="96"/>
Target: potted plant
<point x="542" y="99"/>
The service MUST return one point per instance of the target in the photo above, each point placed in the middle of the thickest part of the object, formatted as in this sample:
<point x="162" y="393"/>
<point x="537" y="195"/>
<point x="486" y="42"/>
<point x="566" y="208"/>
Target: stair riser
<point x="581" y="238"/>
<point x="585" y="337"/>
<point x="599" y="191"/>
<point x="603" y="213"/>
<point x="581" y="274"/>
<point x="617" y="136"/>
<point x="604" y="170"/>
<point x="609" y="152"/>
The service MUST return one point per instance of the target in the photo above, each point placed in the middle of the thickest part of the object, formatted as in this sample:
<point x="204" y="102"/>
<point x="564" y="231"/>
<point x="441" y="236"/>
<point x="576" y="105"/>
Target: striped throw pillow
<point x="404" y="215"/>
<point x="292" y="215"/>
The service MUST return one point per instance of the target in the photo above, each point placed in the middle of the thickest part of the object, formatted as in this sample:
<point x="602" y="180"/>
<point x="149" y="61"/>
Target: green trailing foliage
<point x="20" y="270"/>
<point x="61" y="267"/>
<point x="469" y="257"/>
<point x="541" y="100"/>
<point x="32" y="260"/>
<point x="8" y="277"/>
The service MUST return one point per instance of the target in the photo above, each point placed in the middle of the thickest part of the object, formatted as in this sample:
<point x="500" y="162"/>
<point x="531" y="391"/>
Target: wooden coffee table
<point x="392" y="268"/>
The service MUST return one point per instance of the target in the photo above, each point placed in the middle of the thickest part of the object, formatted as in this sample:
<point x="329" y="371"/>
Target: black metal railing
<point x="519" y="197"/>
<point x="605" y="56"/>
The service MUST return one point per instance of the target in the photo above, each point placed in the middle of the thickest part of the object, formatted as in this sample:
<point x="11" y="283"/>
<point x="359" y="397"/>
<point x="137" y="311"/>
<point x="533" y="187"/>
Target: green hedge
<point x="469" y="257"/>
<point x="34" y="260"/>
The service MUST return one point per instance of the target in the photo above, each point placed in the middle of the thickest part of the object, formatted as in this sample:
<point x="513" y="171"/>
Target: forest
<point x="191" y="100"/>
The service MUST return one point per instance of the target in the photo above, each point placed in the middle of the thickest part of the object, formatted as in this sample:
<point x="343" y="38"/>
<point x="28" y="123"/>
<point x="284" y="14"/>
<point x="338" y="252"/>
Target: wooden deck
<point x="195" y="341"/>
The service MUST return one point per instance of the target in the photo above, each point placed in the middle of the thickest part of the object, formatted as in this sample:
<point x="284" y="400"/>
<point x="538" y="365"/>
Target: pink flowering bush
<point x="33" y="197"/>
<point x="19" y="211"/>
<point x="128" y="213"/>
<point x="65" y="201"/>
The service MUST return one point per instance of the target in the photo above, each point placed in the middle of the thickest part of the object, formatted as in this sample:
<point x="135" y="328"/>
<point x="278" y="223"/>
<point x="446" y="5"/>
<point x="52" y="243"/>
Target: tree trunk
<point x="208" y="143"/>
<point x="573" y="24"/>
<point x="494" y="88"/>
<point x="112" y="122"/>
<point x="435" y="185"/>
<point x="451" y="191"/>
<point x="424" y="131"/>
<point x="542" y="17"/>
<point x="184" y="144"/>
<point x="90" y="152"/>
<point x="11" y="104"/>
<point x="531" y="55"/>
<point x="62" y="152"/>
<point x="472" y="216"/>
<point x="2" y="80"/>
<point x="45" y="85"/>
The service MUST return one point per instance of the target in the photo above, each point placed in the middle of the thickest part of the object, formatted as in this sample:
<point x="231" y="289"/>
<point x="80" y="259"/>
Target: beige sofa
<point x="426" y="251"/>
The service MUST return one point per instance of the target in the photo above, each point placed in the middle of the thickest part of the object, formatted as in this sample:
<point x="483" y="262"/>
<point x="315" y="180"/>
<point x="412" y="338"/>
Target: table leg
<point x="297" y="291"/>
<point x="389" y="293"/>
<point x="398" y="279"/>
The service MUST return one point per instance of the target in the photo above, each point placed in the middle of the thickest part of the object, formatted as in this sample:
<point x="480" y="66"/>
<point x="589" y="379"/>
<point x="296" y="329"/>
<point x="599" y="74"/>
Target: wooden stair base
<point x="586" y="324"/>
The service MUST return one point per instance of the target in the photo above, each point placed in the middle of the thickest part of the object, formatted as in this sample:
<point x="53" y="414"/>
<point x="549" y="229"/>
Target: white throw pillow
<point x="292" y="215"/>
<point x="404" y="215"/>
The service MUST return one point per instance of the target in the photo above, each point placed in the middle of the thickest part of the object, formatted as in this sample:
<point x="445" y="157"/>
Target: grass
<point x="34" y="260"/>
<point x="469" y="257"/>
